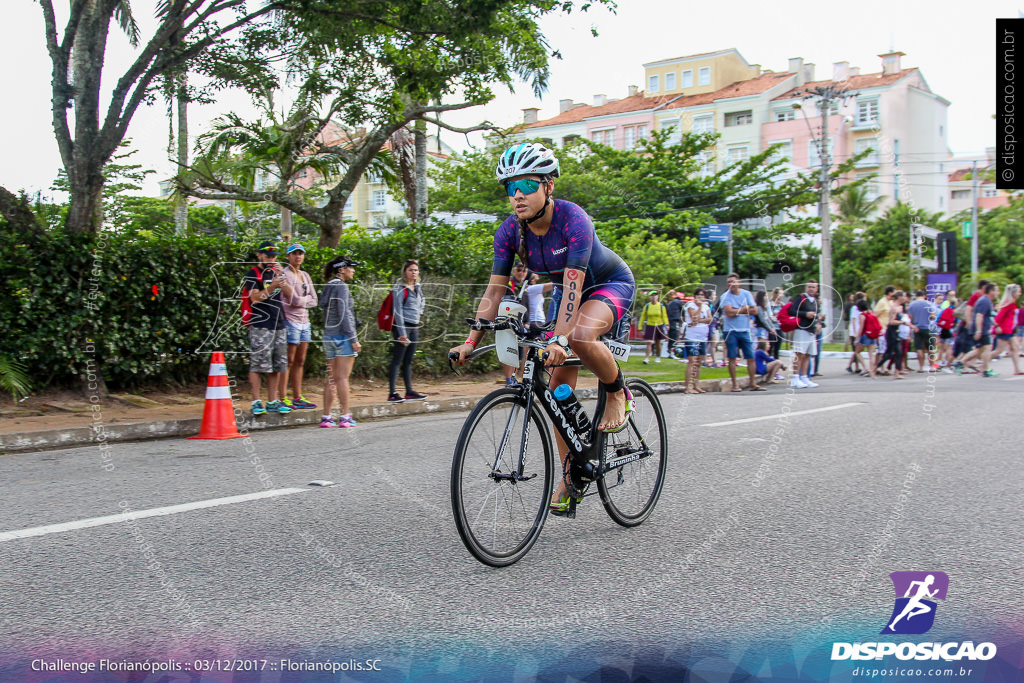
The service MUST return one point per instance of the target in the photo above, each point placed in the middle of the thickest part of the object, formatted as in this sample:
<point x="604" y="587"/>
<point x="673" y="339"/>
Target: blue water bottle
<point x="572" y="407"/>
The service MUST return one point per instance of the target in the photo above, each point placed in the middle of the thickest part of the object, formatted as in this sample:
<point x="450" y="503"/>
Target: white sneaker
<point x="808" y="383"/>
<point x="647" y="361"/>
<point x="657" y="359"/>
<point x="797" y="383"/>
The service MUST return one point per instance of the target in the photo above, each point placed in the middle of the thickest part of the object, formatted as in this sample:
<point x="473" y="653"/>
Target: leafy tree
<point x="657" y="259"/>
<point x="360" y="86"/>
<point x="1000" y="240"/>
<point x="855" y="206"/>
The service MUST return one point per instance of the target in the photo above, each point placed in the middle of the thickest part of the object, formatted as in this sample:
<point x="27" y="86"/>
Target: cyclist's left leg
<point x="596" y="318"/>
<point x="562" y="375"/>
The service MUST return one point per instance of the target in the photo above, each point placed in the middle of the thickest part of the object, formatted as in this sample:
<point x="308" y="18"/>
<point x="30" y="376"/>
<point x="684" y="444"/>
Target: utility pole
<point x="974" y="219"/>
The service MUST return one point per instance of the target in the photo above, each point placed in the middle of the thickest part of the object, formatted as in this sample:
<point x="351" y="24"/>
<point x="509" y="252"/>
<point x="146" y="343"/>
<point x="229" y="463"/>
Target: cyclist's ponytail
<point x="521" y="247"/>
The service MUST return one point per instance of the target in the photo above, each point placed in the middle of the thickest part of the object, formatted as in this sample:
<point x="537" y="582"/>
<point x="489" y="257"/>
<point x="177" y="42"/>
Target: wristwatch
<point x="562" y="341"/>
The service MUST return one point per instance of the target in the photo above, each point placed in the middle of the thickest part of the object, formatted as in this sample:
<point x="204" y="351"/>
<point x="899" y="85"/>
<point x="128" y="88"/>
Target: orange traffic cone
<point x="218" y="415"/>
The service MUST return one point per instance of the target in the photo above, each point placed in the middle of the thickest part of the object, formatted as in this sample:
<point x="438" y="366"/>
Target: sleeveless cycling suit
<point x="570" y="242"/>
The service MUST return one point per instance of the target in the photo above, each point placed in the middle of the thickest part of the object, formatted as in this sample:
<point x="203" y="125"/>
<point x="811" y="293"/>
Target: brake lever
<point x="452" y="357"/>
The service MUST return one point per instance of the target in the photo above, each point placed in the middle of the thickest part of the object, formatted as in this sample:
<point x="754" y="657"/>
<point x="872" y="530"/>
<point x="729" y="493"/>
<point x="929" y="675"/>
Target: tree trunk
<point x="286" y="223"/>
<point x="330" y="228"/>
<point x="420" y="133"/>
<point x="181" y="207"/>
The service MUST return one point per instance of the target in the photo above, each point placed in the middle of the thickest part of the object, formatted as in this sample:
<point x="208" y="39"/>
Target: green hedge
<point x="147" y="311"/>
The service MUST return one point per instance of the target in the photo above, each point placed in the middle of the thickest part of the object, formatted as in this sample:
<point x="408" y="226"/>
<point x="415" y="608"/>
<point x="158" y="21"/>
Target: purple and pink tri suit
<point x="570" y="242"/>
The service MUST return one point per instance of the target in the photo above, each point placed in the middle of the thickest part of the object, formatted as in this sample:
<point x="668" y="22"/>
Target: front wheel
<point x="499" y="505"/>
<point x="630" y="491"/>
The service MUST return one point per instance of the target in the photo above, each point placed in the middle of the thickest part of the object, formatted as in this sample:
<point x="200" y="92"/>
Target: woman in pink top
<point x="296" y="322"/>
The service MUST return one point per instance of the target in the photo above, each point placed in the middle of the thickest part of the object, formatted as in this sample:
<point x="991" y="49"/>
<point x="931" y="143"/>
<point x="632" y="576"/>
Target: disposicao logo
<point x="914" y="614"/>
<point x="916" y="592"/>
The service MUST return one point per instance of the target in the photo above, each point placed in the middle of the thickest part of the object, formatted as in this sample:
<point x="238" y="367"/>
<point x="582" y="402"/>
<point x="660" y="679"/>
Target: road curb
<point x="166" y="429"/>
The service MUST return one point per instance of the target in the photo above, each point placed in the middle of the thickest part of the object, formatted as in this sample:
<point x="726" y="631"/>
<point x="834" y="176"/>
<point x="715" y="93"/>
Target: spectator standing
<point x="893" y="344"/>
<point x="776" y="302"/>
<point x="848" y="308"/>
<point x="297" y="325"/>
<point x="407" y="303"/>
<point x="923" y="315"/>
<point x="675" y="319"/>
<point x="535" y="291"/>
<point x="695" y="336"/>
<point x="863" y="340"/>
<point x="654" y="321"/>
<point x="340" y="344"/>
<point x="804" y="307"/>
<point x="947" y="323"/>
<point x="268" y="342"/>
<point x="764" y="323"/>
<point x="854" y="337"/>
<point x="714" y="331"/>
<point x="1005" y="324"/>
<point x="881" y="310"/>
<point x="738" y="309"/>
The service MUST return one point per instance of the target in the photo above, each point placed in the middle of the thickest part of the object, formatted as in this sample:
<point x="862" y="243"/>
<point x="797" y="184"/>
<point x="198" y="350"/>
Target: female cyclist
<point x="556" y="239"/>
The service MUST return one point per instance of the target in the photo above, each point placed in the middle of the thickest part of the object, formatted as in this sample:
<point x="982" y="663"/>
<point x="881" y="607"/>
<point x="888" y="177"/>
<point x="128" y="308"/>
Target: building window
<point x="867" y="144"/>
<point x="670" y="80"/>
<point x="990" y="192"/>
<point x="735" y="154"/>
<point x="687" y="80"/>
<point x="867" y="112"/>
<point x="785" y="150"/>
<point x="597" y="136"/>
<point x="609" y="137"/>
<point x="961" y="194"/>
<point x="629" y="134"/>
<point x="704" y="76"/>
<point x="671" y="129"/>
<point x="785" y="115"/>
<point x="870" y="187"/>
<point x="706" y="161"/>
<point x="653" y="82"/>
<point x="641" y="131"/>
<point x="739" y="118"/>
<point x="380" y="200"/>
<point x="704" y="123"/>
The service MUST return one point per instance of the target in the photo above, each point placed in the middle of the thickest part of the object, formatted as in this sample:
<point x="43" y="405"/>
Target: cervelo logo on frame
<point x="916" y="592"/>
<point x="914" y="614"/>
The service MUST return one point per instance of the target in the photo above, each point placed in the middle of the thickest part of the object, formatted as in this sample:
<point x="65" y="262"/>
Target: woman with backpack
<point x="865" y="324"/>
<point x="407" y="305"/>
<point x="947" y="325"/>
<point x="1005" y="327"/>
<point x="340" y="345"/>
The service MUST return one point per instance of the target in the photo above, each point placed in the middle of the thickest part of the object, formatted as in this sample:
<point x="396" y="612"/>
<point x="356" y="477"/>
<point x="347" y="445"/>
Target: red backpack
<point x="386" y="314"/>
<point x="246" y="303"/>
<point x="947" y="319"/>
<point x="787" y="321"/>
<point x="872" y="329"/>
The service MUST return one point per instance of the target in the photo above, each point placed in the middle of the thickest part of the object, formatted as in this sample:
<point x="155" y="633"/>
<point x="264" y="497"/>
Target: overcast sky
<point x="951" y="42"/>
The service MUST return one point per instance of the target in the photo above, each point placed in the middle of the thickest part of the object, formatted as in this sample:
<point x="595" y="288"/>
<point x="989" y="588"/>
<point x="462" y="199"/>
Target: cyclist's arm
<point x="572" y="294"/>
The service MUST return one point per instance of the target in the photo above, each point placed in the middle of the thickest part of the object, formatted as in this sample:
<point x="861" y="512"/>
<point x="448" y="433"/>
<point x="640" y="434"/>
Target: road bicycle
<point x="505" y="458"/>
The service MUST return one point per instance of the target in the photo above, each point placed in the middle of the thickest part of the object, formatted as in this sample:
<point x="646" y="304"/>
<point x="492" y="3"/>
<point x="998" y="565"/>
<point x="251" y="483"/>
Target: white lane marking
<point x="778" y="415"/>
<point x="139" y="514"/>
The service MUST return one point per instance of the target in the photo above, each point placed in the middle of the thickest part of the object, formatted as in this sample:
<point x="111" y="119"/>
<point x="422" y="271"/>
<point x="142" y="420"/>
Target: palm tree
<point x="855" y="206"/>
<point x="893" y="271"/>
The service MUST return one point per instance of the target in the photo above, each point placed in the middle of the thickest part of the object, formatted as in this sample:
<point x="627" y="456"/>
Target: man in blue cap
<point x="268" y="343"/>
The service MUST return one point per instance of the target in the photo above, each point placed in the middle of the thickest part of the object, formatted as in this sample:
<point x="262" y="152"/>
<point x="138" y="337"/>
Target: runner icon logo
<point x="916" y="593"/>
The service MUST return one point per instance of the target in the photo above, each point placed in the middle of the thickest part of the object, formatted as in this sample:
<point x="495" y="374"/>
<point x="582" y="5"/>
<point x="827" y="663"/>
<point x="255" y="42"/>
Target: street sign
<point x="929" y="263"/>
<point x="716" y="232"/>
<point x="968" y="230"/>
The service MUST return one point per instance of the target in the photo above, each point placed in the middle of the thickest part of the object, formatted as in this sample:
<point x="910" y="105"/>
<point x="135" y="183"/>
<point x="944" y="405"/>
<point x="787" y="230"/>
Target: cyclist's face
<point x="526" y="205"/>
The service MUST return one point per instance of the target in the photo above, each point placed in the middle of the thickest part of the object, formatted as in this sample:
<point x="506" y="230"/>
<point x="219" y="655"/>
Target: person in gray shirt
<point x="408" y="303"/>
<point x="922" y="322"/>
<point x="340" y="345"/>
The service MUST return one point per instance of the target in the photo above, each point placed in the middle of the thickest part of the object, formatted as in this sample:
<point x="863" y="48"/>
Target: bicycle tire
<point x="634" y="479"/>
<point x="504" y="495"/>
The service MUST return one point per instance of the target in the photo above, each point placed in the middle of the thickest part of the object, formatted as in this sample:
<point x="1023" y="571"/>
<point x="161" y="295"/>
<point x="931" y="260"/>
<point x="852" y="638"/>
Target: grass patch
<point x="670" y="370"/>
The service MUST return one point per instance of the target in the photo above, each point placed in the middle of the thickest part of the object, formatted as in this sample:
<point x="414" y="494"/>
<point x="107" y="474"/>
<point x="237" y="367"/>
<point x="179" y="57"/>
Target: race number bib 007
<point x="619" y="350"/>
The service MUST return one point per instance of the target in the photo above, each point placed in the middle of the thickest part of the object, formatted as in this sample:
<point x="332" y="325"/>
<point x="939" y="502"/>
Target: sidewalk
<point x="128" y="417"/>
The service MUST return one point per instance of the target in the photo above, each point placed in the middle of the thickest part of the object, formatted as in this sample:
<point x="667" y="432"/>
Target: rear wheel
<point x="630" y="491"/>
<point x="498" y="517"/>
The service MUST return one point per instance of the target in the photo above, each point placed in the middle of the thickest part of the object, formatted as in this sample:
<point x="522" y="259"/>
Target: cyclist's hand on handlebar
<point x="462" y="352"/>
<point x="555" y="355"/>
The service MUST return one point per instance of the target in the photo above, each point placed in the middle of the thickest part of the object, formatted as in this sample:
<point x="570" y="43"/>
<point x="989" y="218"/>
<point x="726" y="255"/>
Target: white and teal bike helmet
<point x="526" y="158"/>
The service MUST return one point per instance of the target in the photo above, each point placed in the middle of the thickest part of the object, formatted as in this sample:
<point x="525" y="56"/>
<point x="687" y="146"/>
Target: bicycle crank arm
<point x="513" y="477"/>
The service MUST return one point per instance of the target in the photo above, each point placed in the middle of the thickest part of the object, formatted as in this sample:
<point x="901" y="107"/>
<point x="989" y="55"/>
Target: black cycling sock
<point x="612" y="387"/>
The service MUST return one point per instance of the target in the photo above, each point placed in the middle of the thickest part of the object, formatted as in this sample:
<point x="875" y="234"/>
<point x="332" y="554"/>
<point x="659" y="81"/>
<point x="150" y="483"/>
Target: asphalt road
<point x="768" y="528"/>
